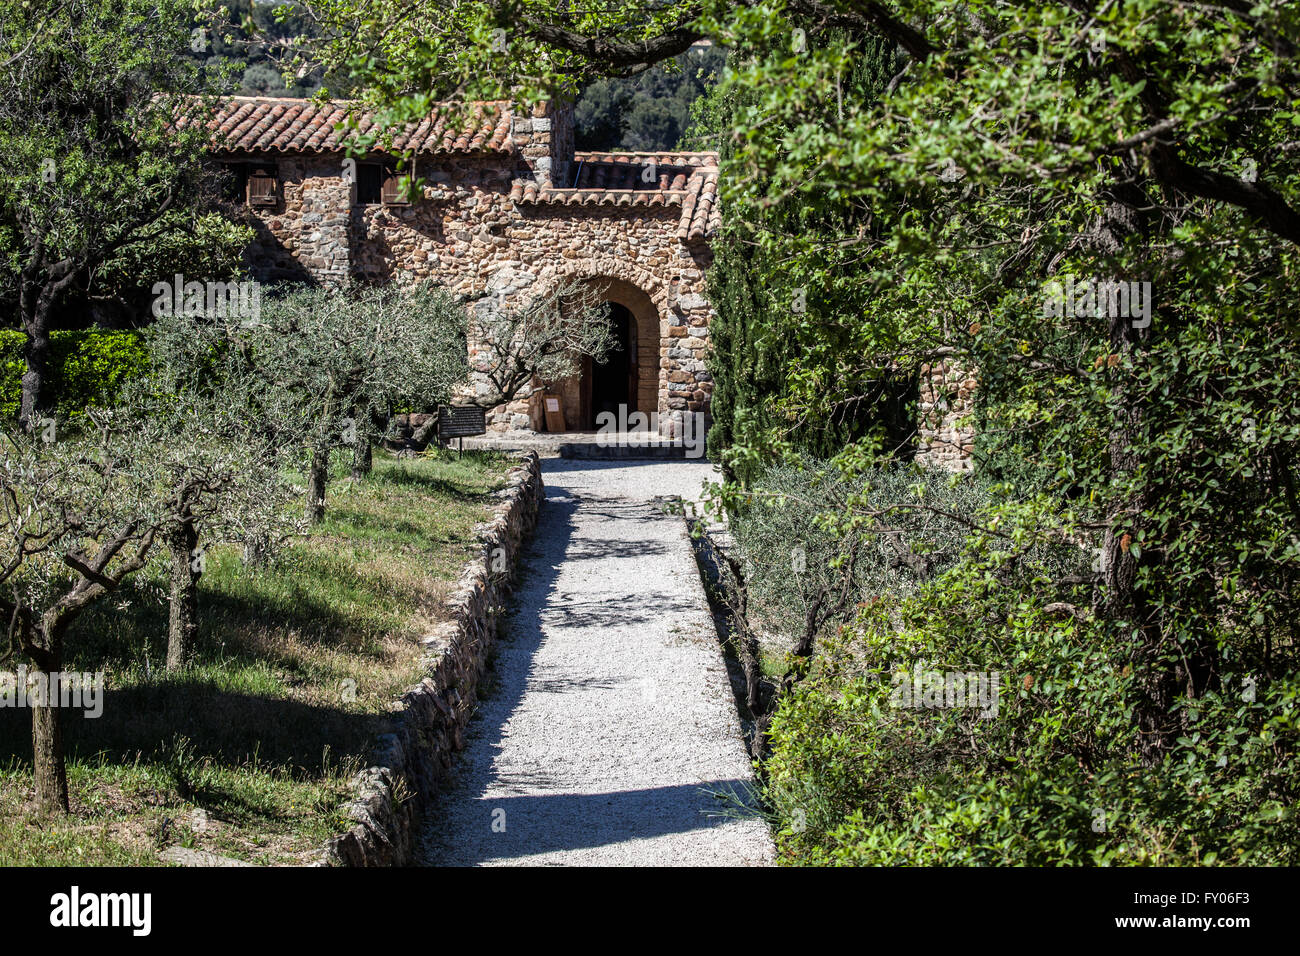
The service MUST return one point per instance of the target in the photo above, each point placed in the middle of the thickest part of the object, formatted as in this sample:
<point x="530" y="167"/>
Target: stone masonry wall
<point x="946" y="429"/>
<point x="428" y="725"/>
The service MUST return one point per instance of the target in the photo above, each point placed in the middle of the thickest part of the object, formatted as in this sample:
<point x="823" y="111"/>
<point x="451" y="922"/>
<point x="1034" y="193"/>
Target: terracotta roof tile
<point x="273" y="125"/>
<point x="286" y="126"/>
<point x="688" y="180"/>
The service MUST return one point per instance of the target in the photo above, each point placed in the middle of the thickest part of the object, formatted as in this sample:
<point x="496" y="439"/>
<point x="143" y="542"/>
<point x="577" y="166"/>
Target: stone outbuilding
<point x="510" y="208"/>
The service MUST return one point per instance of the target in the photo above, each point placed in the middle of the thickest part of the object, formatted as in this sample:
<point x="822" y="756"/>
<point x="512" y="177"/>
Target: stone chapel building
<point x="510" y="209"/>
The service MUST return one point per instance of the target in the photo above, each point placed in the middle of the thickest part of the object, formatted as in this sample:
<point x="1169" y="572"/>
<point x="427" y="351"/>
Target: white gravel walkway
<point x="611" y="714"/>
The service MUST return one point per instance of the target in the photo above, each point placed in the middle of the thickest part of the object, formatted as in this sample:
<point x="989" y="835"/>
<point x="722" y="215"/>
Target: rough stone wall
<point x="307" y="234"/>
<point x="428" y="725"/>
<point x="945" y="426"/>
<point x="470" y="236"/>
<point x="545" y="143"/>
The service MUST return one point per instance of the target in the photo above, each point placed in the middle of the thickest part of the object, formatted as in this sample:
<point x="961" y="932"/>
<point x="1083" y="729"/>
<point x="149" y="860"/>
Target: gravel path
<point x="610" y="717"/>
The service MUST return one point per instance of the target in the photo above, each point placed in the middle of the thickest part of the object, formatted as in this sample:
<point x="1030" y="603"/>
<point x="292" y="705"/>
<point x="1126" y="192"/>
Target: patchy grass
<point x="249" y="752"/>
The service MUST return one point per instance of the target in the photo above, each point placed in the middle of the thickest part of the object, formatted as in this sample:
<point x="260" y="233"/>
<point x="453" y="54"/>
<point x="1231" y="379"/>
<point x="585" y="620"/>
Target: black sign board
<point x="457" y="421"/>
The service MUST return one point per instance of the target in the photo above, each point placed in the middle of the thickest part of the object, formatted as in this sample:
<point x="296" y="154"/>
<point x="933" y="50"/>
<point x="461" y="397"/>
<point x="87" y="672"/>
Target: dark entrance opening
<point x="612" y="383"/>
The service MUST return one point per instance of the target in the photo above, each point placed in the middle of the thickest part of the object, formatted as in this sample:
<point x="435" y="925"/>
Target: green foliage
<point x="323" y="354"/>
<point x="787" y="300"/>
<point x="649" y="111"/>
<point x="991" y="168"/>
<point x="320" y="365"/>
<point x="207" y="247"/>
<point x="90" y="190"/>
<point x="803" y="530"/>
<point x="88" y="369"/>
<point x="1053" y="778"/>
<point x="262" y="80"/>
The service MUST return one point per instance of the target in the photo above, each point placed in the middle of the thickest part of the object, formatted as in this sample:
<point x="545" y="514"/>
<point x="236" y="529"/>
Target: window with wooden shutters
<point x="263" y="188"/>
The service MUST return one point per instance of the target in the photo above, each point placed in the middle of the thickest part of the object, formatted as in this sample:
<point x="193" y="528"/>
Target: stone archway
<point x="643" y="347"/>
<point x="672" y="380"/>
<point x="647" y="283"/>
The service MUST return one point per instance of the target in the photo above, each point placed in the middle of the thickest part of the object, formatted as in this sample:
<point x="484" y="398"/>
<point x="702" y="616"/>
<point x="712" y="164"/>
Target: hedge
<point x="87" y="367"/>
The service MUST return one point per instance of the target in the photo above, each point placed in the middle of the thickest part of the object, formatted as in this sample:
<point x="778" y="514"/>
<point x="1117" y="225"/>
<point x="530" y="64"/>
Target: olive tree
<point x="521" y="342"/>
<point x="81" y="512"/>
<point x="325" y="359"/>
<point x="218" y="429"/>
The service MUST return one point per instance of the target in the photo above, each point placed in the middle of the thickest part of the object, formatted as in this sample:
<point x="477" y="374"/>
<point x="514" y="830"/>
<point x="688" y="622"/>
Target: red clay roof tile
<point x="281" y="125"/>
<point x="273" y="125"/>
<point x="688" y="180"/>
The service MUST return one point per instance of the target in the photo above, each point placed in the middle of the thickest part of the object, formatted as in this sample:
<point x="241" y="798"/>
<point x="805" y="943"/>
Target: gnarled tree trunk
<point x="50" y="770"/>
<point x="38" y="289"/>
<point x="182" y="625"/>
<point x="1156" y="655"/>
<point x="36" y="354"/>
<point x="363" y="459"/>
<point x="371" y="426"/>
<point x="317" y="479"/>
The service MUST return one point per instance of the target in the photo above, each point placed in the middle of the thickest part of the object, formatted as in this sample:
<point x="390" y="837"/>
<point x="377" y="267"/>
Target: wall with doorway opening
<point x="645" y="324"/>
<point x="508" y="210"/>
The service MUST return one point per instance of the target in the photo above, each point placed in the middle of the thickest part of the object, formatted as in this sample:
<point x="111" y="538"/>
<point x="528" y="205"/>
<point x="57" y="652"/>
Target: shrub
<point x="797" y="536"/>
<point x="87" y="368"/>
<point x="1054" y="776"/>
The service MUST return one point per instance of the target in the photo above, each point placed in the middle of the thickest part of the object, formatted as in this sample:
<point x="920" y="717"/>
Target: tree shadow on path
<point x="465" y="827"/>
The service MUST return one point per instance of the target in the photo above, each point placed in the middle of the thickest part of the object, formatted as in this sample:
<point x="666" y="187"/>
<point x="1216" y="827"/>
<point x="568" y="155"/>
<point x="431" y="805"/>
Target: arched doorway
<point x="631" y="374"/>
<point x="611" y="384"/>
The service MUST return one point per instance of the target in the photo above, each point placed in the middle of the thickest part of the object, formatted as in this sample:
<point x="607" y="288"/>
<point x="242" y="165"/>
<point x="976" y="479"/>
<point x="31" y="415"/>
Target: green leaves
<point x="89" y="368"/>
<point x="914" y="205"/>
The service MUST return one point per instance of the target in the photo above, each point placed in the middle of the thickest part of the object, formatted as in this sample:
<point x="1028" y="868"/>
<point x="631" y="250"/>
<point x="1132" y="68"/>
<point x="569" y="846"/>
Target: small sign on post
<point x="457" y="421"/>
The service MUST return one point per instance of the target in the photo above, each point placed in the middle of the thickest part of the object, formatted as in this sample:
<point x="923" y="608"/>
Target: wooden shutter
<point x="262" y="188"/>
<point x="392" y="194"/>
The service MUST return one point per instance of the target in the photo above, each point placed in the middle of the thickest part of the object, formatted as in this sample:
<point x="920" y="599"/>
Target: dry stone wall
<point x="946" y="426"/>
<point x="428" y="724"/>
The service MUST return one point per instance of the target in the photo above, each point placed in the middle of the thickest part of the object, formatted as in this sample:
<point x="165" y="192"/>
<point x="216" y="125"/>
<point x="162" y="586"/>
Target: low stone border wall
<point x="429" y="722"/>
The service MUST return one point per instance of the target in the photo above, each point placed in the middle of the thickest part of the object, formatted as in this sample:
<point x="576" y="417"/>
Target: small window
<point x="369" y="183"/>
<point x="379" y="183"/>
<point x="263" y="188"/>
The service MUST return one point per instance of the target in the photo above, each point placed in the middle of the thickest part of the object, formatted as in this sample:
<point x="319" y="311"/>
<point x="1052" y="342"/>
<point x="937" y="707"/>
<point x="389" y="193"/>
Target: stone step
<point x="583" y="446"/>
<point x="186" y="857"/>
<point x="655" y="451"/>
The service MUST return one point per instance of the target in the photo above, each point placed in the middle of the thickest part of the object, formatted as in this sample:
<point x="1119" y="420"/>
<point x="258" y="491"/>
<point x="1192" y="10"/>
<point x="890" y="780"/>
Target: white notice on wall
<point x="552" y="404"/>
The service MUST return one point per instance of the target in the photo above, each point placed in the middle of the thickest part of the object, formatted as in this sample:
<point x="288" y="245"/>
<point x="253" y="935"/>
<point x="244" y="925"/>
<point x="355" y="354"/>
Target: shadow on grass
<point x="113" y="636"/>
<point x="381" y="528"/>
<point x="305" y="740"/>
<point x="412" y="475"/>
<point x="226" y="618"/>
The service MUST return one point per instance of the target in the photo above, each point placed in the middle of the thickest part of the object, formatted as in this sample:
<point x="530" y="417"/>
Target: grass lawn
<point x="250" y="751"/>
